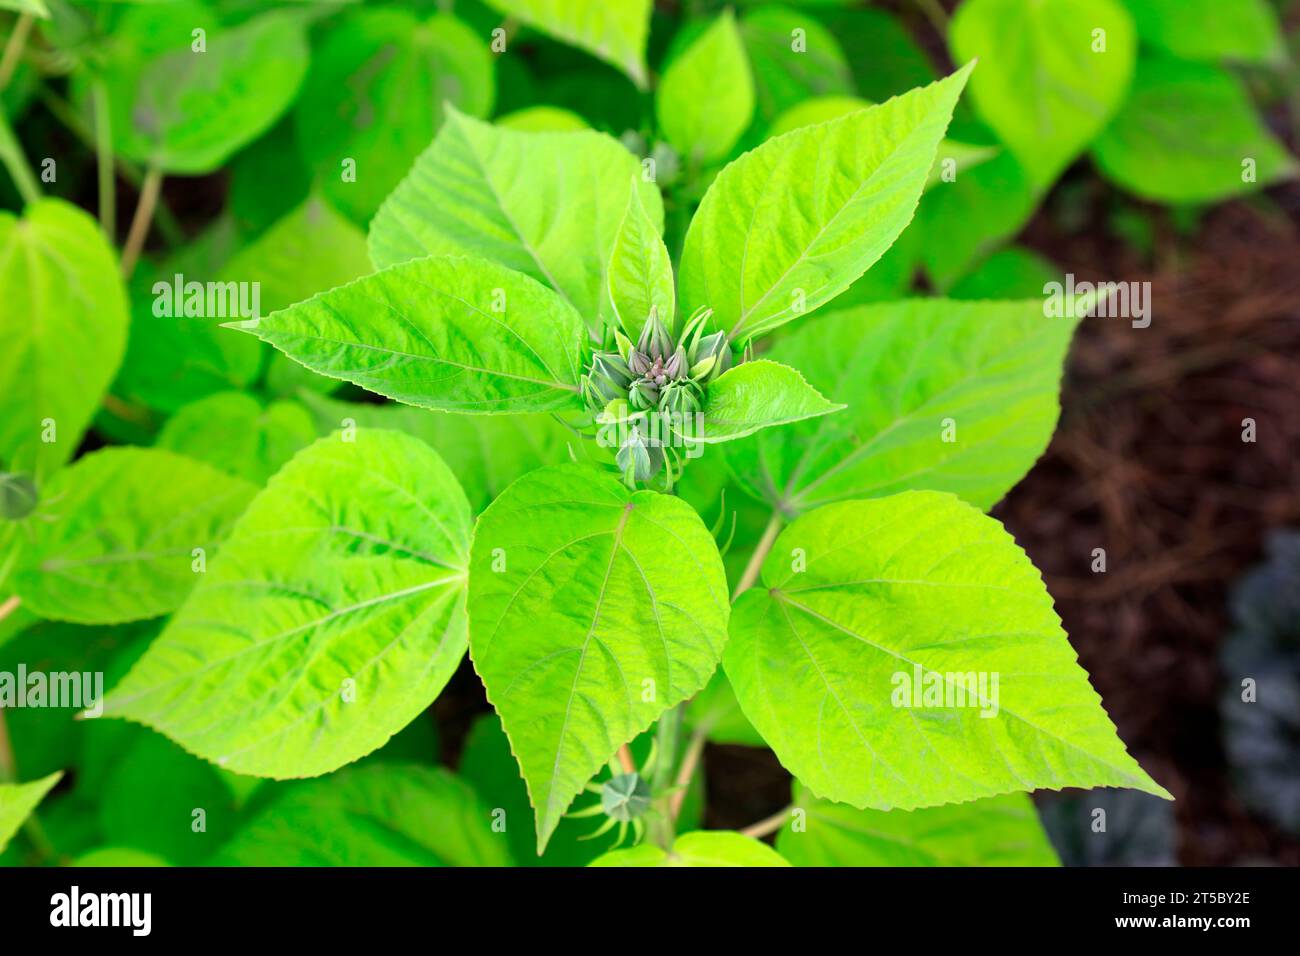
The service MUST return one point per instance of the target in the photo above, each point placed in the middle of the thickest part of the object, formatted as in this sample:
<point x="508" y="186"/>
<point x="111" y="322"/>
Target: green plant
<point x="674" y="453"/>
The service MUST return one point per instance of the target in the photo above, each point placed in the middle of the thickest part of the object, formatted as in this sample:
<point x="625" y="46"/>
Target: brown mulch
<point x="1149" y="463"/>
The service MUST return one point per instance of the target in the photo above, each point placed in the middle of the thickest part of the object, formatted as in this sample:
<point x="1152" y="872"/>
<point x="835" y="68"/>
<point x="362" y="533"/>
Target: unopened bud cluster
<point x="627" y="381"/>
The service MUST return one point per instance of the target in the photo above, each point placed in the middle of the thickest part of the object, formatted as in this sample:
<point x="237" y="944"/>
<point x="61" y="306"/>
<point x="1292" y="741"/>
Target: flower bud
<point x="643" y="396"/>
<point x="639" y="458"/>
<point x="680" y="398"/>
<point x="712" y="357"/>
<point x="655" y="341"/>
<point x="607" y="378"/>
<point x="675" y="367"/>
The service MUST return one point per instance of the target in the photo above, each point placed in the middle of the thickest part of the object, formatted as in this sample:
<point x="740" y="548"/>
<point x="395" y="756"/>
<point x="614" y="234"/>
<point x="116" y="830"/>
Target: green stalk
<point x="750" y="574"/>
<point x="104" y="162"/>
<point x="135" y="237"/>
<point x="63" y="112"/>
<point x="11" y="154"/>
<point x="936" y="14"/>
<point x="14" y="49"/>
<point x="662" y="825"/>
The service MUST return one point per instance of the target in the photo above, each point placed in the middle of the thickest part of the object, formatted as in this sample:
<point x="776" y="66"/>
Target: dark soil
<point x="1149" y="463"/>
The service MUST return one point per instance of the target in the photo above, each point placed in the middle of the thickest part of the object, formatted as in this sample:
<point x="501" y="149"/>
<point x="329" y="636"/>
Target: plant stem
<point x="8" y="606"/>
<point x="625" y="759"/>
<point x="104" y="161"/>
<point x="132" y="173"/>
<point x="11" y="154"/>
<point x="755" y="564"/>
<point x="8" y="769"/>
<point x="768" y="824"/>
<point x="140" y="222"/>
<point x="690" y="762"/>
<point x="662" y="829"/>
<point x="14" y="49"/>
<point x="936" y="14"/>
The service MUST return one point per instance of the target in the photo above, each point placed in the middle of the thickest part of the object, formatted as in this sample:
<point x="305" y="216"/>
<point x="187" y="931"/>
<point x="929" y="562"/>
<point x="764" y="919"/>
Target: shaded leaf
<point x="115" y="536"/>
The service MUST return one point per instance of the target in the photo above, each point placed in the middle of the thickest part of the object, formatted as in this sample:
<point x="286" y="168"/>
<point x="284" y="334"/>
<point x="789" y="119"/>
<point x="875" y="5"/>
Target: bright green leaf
<point x="993" y="369"/>
<point x="545" y="204"/>
<point x="445" y="332"/>
<point x="640" y="272"/>
<point x="542" y="119"/>
<point x="960" y="156"/>
<point x="64" y="328"/>
<point x="1189" y="134"/>
<point x="583" y="595"/>
<point x="375" y="96"/>
<point x="791" y="224"/>
<point x="381" y="815"/>
<point x="1051" y="73"/>
<point x="18" y="800"/>
<point x="759" y="394"/>
<point x="702" y="848"/>
<point x="996" y="831"/>
<point x="114" y="537"/>
<point x="904" y="653"/>
<point x="613" y="30"/>
<point x="705" y="100"/>
<point x="332" y="617"/>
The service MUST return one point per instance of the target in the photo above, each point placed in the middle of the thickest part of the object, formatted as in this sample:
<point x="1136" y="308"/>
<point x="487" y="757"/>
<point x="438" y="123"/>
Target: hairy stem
<point x="768" y="824"/>
<point x="140" y="223"/>
<point x="14" y="49"/>
<point x="755" y="564"/>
